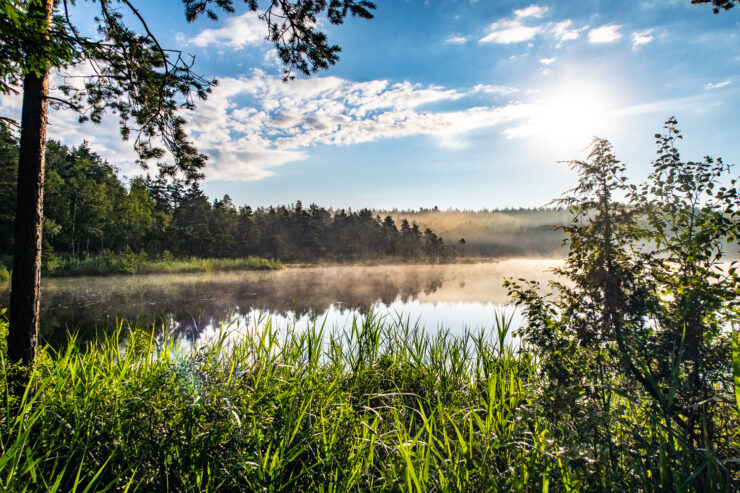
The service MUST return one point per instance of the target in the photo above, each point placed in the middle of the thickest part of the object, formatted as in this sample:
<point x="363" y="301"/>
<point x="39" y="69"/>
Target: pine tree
<point x="134" y="76"/>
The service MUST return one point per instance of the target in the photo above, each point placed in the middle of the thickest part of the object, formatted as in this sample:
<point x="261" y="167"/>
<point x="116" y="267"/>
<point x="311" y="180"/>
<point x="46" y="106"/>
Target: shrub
<point x="641" y="325"/>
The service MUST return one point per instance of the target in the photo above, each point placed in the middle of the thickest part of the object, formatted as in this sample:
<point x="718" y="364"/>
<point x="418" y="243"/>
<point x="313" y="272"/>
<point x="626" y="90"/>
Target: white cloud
<point x="456" y="40"/>
<point x="251" y="125"/>
<point x="10" y="106"/>
<point x="531" y="11"/>
<point x="716" y="85"/>
<point x="236" y="33"/>
<point x="546" y="61"/>
<point x="271" y="59"/>
<point x="604" y="34"/>
<point x="285" y="120"/>
<point x="562" y="31"/>
<point x="661" y="107"/>
<point x="642" y="37"/>
<point x="514" y="29"/>
<point x="486" y="88"/>
<point x="508" y="31"/>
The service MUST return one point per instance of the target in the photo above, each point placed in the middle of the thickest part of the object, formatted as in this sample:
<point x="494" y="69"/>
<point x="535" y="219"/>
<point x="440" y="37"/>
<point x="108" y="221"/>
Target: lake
<point x="449" y="296"/>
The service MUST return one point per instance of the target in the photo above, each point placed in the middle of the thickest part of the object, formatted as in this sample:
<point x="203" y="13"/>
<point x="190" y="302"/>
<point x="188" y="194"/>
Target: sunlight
<point x="572" y="113"/>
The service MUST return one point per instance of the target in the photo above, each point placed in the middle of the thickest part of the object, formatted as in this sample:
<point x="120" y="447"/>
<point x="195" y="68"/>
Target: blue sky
<point x="462" y="104"/>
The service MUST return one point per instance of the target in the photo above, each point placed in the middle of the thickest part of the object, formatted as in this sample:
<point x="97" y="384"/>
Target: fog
<point x="507" y="233"/>
<point x="513" y="233"/>
<point x="188" y="302"/>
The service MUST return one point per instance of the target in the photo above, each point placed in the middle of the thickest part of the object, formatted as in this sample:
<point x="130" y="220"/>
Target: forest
<point x="89" y="209"/>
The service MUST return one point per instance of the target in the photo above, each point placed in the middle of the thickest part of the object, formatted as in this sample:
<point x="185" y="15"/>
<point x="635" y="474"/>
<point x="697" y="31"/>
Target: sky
<point x="465" y="104"/>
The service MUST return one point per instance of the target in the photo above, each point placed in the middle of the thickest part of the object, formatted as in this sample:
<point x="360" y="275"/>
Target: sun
<point x="573" y="112"/>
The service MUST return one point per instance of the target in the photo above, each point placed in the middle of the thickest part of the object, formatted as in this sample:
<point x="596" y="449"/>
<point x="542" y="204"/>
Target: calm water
<point x="452" y="296"/>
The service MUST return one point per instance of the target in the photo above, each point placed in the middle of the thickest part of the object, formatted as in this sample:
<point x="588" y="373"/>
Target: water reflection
<point x="452" y="296"/>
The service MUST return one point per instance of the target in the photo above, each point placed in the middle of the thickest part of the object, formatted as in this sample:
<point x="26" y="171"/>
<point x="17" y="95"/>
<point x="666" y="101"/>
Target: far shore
<point x="131" y="264"/>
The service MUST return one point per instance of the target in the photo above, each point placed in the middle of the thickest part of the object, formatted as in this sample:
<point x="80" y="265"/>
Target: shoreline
<point x="134" y="266"/>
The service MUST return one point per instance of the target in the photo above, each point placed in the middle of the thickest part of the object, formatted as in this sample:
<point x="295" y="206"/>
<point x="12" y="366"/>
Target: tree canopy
<point x="90" y="210"/>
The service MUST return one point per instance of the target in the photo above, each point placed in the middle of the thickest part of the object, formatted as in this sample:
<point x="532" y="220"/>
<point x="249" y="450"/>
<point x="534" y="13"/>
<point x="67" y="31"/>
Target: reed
<point x="379" y="405"/>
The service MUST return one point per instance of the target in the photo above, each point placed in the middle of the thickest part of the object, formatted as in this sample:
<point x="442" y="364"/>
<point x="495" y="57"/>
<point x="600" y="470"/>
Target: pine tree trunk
<point x="24" y="290"/>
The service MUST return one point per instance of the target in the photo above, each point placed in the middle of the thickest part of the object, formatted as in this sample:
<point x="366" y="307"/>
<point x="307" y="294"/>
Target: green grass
<point x="381" y="405"/>
<point x="140" y="263"/>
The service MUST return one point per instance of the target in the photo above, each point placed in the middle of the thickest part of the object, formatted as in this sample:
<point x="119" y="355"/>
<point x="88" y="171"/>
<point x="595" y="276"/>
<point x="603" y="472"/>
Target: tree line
<point x="89" y="209"/>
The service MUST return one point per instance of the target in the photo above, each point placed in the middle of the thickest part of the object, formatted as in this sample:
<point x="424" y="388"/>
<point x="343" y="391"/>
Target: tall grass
<point x="110" y="263"/>
<point x="380" y="405"/>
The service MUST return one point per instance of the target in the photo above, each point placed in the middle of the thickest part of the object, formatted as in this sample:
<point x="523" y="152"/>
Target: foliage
<point x="3" y="331"/>
<point x="717" y="5"/>
<point x="8" y="180"/>
<point x="292" y="28"/>
<point x="379" y="405"/>
<point x="640" y="323"/>
<point x="4" y="274"/>
<point x="736" y="365"/>
<point x="134" y="77"/>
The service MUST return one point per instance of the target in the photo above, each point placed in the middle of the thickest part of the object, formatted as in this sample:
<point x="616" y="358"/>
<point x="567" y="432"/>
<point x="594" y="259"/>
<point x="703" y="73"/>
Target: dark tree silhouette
<point x="718" y="5"/>
<point x="642" y="309"/>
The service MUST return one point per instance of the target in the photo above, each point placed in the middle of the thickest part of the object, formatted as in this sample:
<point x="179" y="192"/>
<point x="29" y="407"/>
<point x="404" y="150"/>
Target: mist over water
<point x="451" y="296"/>
<point x="501" y="233"/>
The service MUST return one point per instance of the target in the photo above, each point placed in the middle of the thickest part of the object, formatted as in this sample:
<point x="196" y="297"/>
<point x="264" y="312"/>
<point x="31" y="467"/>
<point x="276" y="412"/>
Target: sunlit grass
<point x="380" y="405"/>
<point x="140" y="263"/>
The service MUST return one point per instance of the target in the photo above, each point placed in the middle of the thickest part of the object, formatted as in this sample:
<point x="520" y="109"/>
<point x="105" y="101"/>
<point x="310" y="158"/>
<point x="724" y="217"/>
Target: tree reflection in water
<point x="188" y="303"/>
